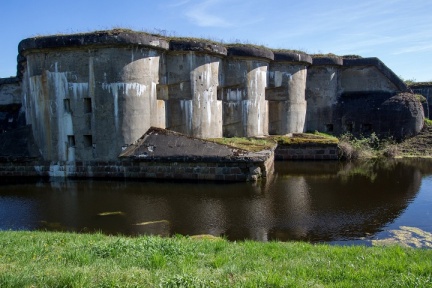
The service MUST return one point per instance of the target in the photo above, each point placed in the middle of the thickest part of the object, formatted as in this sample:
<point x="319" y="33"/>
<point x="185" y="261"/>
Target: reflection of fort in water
<point x="312" y="201"/>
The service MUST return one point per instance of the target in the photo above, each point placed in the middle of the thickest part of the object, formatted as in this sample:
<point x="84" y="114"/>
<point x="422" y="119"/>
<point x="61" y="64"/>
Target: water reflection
<point x="313" y="201"/>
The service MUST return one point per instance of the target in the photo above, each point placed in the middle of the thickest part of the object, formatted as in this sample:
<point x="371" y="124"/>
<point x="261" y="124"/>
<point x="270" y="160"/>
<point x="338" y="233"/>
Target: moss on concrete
<point x="258" y="144"/>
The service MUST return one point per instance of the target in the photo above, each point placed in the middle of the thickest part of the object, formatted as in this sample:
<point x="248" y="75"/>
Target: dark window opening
<point x="88" y="141"/>
<point x="349" y="127"/>
<point x="329" y="128"/>
<point x="66" y="103"/>
<point x="87" y="105"/>
<point x="71" y="140"/>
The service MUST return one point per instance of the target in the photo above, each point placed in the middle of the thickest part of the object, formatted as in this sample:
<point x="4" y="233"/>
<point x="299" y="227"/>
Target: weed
<point x="351" y="147"/>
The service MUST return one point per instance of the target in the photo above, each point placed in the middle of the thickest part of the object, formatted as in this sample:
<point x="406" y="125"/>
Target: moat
<point x="333" y="202"/>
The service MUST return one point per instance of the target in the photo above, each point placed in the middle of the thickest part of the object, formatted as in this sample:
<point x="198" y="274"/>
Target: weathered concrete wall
<point x="307" y="152"/>
<point x="365" y="78"/>
<point x="322" y="91"/>
<point x="397" y="116"/>
<point x="192" y="77"/>
<point x="87" y="103"/>
<point x="369" y="75"/>
<point x="12" y="115"/>
<point x="424" y="89"/>
<point x="10" y="91"/>
<point x="87" y="96"/>
<point x="233" y="171"/>
<point x="286" y="92"/>
<point x="245" y="108"/>
<point x="158" y="154"/>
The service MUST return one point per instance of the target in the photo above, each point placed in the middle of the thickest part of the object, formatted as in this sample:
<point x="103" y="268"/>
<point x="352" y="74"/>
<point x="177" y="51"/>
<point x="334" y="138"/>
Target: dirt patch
<point x="418" y="146"/>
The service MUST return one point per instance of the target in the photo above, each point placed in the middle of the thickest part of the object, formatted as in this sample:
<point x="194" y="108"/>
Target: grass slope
<point x="42" y="259"/>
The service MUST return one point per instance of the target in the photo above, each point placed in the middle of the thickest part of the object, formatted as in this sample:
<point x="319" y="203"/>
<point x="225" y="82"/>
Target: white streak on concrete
<point x="64" y="119"/>
<point x="128" y="89"/>
<point x="122" y="89"/>
<point x="278" y="78"/>
<point x="245" y="113"/>
<point x="187" y="111"/>
<point x="234" y="95"/>
<point x="79" y="90"/>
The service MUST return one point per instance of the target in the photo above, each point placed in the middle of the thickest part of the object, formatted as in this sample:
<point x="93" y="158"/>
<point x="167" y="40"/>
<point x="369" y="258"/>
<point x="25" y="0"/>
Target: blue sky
<point x="399" y="32"/>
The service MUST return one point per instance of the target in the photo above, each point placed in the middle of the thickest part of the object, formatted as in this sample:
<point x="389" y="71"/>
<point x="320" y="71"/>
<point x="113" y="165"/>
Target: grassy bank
<point x="43" y="259"/>
<point x="254" y="144"/>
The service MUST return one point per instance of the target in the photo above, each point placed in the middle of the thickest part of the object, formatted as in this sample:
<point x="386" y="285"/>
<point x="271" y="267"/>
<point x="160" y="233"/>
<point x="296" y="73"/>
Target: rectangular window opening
<point x="88" y="141"/>
<point x="71" y="141"/>
<point x="349" y="127"/>
<point x="87" y="105"/>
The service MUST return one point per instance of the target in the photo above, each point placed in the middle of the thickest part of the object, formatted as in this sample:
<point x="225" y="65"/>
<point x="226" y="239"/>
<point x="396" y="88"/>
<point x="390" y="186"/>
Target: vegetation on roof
<point x="288" y="51"/>
<point x="306" y="138"/>
<point x="352" y="56"/>
<point x="328" y="55"/>
<point x="413" y="83"/>
<point x="247" y="45"/>
<point x="194" y="39"/>
<point x="253" y="144"/>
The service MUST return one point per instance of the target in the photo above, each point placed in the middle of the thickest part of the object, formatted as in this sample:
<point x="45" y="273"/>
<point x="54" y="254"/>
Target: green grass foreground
<point x="45" y="259"/>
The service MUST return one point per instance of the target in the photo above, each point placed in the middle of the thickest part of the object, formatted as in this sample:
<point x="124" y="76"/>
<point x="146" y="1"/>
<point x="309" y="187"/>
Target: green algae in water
<point x="152" y="222"/>
<point x="111" y="213"/>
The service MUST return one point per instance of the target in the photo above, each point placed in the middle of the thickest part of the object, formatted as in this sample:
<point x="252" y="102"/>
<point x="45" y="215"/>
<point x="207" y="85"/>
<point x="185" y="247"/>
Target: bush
<point x="351" y="148"/>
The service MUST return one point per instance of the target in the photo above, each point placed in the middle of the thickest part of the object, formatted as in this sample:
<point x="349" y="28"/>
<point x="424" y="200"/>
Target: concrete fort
<point x="424" y="89"/>
<point x="88" y="97"/>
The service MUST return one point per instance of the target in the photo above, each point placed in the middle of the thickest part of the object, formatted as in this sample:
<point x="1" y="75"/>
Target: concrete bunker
<point x="98" y="86"/>
<point x="286" y="92"/>
<point x="192" y="75"/>
<point x="322" y="91"/>
<point x="89" y="96"/>
<point x="245" y="108"/>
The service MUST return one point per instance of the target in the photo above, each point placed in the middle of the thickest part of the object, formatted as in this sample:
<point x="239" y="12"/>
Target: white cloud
<point x="204" y="14"/>
<point x="422" y="47"/>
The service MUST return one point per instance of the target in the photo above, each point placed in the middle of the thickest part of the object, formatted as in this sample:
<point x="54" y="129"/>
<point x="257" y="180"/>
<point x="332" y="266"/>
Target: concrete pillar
<point x="286" y="92"/>
<point x="322" y="91"/>
<point x="89" y="95"/>
<point x="192" y="80"/>
<point x="245" y="109"/>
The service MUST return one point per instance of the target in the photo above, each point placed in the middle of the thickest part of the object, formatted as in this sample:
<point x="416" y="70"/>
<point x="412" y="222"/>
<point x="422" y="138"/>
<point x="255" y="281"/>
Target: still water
<point x="332" y="202"/>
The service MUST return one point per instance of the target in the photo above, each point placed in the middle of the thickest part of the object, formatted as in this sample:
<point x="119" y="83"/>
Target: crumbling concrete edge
<point x="327" y="60"/>
<point x="292" y="57"/>
<point x="252" y="51"/>
<point x="9" y="80"/>
<point x="97" y="38"/>
<point x="197" y="46"/>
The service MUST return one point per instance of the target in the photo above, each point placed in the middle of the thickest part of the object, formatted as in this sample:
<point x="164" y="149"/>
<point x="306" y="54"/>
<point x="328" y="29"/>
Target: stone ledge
<point x="97" y="38"/>
<point x="10" y="80"/>
<point x="327" y="61"/>
<point x="250" y="51"/>
<point x="294" y="57"/>
<point x="197" y="46"/>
